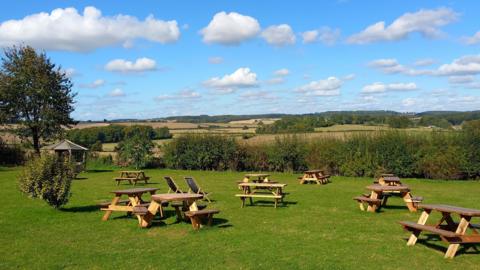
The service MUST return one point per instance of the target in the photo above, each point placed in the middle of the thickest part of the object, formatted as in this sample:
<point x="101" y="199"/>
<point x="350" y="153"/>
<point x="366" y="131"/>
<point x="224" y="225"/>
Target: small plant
<point x="49" y="178"/>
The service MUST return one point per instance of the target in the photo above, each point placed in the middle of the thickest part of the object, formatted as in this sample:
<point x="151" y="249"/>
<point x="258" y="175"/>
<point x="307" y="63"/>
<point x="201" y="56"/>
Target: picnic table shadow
<point x="433" y="241"/>
<point x="98" y="170"/>
<point x="81" y="209"/>
<point x="268" y="203"/>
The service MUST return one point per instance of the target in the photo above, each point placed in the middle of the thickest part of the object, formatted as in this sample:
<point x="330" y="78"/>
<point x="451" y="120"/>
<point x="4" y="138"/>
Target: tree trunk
<point x="36" y="141"/>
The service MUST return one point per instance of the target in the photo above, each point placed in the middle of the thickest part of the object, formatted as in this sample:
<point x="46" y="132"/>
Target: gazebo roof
<point x="65" y="145"/>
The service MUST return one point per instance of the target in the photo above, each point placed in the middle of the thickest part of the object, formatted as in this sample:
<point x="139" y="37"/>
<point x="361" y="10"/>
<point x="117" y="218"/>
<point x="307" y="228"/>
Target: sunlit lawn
<point x="321" y="227"/>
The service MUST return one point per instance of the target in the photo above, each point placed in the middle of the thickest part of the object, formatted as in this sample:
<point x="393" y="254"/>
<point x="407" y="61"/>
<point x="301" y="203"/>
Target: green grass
<point x="321" y="227"/>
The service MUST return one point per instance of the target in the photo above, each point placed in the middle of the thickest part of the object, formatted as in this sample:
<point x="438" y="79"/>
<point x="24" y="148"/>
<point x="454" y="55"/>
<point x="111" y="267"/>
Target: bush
<point x="97" y="146"/>
<point x="287" y="154"/>
<point x="202" y="152"/>
<point x="49" y="178"/>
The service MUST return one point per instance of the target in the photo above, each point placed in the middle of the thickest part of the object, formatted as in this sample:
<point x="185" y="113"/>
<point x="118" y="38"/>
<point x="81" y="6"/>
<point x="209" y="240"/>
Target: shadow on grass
<point x="80" y="178"/>
<point x="81" y="209"/>
<point x="265" y="203"/>
<point x="429" y="238"/>
<point x="394" y="207"/>
<point x="98" y="170"/>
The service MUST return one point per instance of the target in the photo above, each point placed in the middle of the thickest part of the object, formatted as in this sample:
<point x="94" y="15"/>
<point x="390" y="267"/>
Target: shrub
<point x="97" y="146"/>
<point x="202" y="152"/>
<point x="49" y="178"/>
<point x="287" y="154"/>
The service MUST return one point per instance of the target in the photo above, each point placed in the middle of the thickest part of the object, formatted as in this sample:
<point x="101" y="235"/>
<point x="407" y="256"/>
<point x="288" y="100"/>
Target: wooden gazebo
<point x="75" y="153"/>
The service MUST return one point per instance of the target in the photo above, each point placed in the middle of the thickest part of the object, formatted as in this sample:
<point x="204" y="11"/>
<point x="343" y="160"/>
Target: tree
<point x="136" y="148"/>
<point x="35" y="95"/>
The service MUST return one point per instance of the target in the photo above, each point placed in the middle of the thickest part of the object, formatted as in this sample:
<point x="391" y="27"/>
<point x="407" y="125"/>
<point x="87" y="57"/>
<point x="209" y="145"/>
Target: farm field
<point x="320" y="227"/>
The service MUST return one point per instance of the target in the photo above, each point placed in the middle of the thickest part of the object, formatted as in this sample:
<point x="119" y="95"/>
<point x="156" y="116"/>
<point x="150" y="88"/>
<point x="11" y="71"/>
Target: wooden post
<point x="422" y="220"/>
<point x="462" y="227"/>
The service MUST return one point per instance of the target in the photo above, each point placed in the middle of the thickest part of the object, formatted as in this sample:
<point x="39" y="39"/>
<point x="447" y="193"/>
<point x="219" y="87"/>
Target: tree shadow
<point x="80" y="178"/>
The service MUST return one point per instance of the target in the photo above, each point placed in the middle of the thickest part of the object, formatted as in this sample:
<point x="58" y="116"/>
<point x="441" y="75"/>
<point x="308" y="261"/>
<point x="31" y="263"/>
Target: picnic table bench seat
<point x="367" y="200"/>
<point x="197" y="216"/>
<point x="414" y="226"/>
<point x="259" y="195"/>
<point x="106" y="204"/>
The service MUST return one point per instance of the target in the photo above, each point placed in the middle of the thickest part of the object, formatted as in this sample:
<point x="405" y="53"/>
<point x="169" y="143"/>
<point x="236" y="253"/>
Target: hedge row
<point x="446" y="155"/>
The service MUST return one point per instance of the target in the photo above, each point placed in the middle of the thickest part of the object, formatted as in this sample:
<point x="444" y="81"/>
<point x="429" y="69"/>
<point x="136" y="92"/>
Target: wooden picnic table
<point x="132" y="176"/>
<point x="314" y="176"/>
<point x="379" y="191"/>
<point x="256" y="177"/>
<point x="134" y="197"/>
<point x="449" y="230"/>
<point x="389" y="180"/>
<point x="188" y="199"/>
<point x="261" y="190"/>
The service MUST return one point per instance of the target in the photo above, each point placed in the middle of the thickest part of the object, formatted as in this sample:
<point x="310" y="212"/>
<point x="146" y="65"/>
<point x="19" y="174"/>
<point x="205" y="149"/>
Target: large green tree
<point x="35" y="95"/>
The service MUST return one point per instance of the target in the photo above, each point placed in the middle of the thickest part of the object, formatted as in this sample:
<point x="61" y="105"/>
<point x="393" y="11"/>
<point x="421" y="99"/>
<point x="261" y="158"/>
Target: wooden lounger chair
<point x="172" y="185"/>
<point x="194" y="188"/>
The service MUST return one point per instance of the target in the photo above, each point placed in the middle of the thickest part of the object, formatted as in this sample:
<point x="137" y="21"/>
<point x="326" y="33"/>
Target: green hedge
<point x="446" y="155"/>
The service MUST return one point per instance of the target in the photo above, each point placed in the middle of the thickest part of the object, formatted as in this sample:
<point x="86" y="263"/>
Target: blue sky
<point x="145" y="59"/>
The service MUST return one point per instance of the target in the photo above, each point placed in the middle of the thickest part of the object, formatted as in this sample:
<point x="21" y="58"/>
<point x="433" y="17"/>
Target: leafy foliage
<point x="35" y="94"/>
<point x="136" y="148"/>
<point x="49" y="178"/>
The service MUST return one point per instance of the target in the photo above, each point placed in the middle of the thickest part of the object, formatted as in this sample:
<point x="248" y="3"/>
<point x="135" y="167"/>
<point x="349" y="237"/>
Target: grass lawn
<point x="321" y="227"/>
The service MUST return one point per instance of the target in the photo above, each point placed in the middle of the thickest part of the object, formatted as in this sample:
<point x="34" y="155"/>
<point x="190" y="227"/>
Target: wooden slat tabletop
<point x="378" y="188"/>
<point x="132" y="191"/>
<point x="264" y="184"/>
<point x="175" y="197"/>
<point x="451" y="209"/>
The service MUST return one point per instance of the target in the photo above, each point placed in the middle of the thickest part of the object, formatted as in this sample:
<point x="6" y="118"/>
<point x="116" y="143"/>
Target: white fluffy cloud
<point x="391" y="66"/>
<point x="424" y="62"/>
<point x="117" y="92"/>
<point x="327" y="87"/>
<point x="409" y="102"/>
<point x="475" y="39"/>
<point x="379" y="87"/>
<point x="465" y="65"/>
<point x="279" y="35"/>
<point x="241" y="78"/>
<point x="325" y="35"/>
<point x="425" y="21"/>
<point x="124" y="66"/>
<point x="68" y="30"/>
<point x="230" y="28"/>
<point x="95" y="84"/>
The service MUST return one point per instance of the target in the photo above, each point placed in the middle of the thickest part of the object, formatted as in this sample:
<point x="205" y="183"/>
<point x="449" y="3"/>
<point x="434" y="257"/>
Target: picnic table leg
<point x="107" y="214"/>
<point x="462" y="227"/>
<point x="407" y="198"/>
<point x="146" y="220"/>
<point x="373" y="207"/>
<point x="422" y="220"/>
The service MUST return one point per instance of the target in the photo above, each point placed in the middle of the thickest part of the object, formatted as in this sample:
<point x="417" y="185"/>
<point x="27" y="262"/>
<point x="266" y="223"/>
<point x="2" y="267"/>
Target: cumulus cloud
<point x="461" y="79"/>
<point x="68" y="30"/>
<point x="230" y="28"/>
<point x="124" y="66"/>
<point x="215" y="60"/>
<point x="256" y="95"/>
<point x="475" y="39"/>
<point x="328" y="87"/>
<point x="379" y="87"/>
<point x="95" y="84"/>
<point x="279" y="35"/>
<point x="325" y="35"/>
<point x="71" y="72"/>
<point x="241" y="78"/>
<point x="425" y="21"/>
<point x="184" y="95"/>
<point x="117" y="92"/>
<point x="465" y="65"/>
<point x="391" y="66"/>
